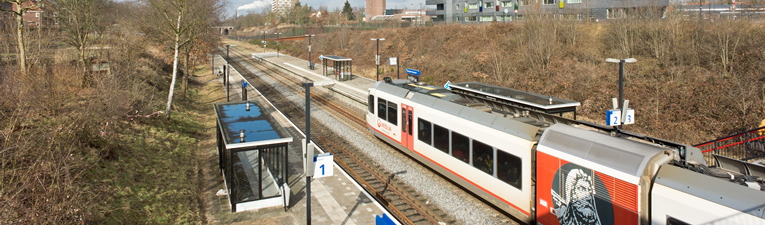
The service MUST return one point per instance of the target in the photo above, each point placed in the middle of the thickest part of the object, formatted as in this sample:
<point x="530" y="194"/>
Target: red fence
<point x="742" y="146"/>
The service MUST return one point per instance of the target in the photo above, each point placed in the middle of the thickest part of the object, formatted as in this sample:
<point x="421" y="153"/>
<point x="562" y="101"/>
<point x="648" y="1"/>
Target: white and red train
<point x="553" y="173"/>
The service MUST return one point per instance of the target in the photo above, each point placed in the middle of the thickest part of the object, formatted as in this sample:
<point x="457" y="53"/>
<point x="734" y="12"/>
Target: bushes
<point x="694" y="81"/>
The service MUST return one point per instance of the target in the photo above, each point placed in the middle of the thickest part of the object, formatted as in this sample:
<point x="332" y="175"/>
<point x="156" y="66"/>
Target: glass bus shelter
<point x="342" y="67"/>
<point x="252" y="151"/>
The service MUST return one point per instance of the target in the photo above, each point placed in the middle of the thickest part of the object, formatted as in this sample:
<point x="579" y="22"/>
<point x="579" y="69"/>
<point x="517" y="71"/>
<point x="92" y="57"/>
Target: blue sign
<point x="413" y="71"/>
<point x="614" y="117"/>
<point x="244" y="84"/>
<point x="448" y="85"/>
<point x="321" y="57"/>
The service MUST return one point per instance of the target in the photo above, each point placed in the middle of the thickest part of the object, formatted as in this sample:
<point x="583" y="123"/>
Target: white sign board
<point x="630" y="118"/>
<point x="613" y="117"/>
<point x="392" y="61"/>
<point x="323" y="166"/>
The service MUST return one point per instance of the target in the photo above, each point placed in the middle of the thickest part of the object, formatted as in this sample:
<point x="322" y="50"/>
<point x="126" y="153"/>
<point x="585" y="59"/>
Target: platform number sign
<point x="322" y="165"/>
<point x="613" y="117"/>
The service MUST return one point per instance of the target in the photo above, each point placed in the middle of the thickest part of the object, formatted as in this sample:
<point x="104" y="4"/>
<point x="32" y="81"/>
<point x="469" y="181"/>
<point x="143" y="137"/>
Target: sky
<point x="257" y="6"/>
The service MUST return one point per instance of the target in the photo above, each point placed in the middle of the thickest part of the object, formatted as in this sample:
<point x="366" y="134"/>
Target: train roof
<point x="443" y="100"/>
<point x="621" y="154"/>
<point x="711" y="189"/>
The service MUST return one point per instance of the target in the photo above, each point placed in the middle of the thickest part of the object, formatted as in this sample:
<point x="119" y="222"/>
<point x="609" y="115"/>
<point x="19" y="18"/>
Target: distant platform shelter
<point x="252" y="150"/>
<point x="342" y="67"/>
<point x="503" y="95"/>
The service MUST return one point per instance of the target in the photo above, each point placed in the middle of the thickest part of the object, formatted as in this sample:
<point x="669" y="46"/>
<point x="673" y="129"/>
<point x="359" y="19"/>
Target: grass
<point x="153" y="176"/>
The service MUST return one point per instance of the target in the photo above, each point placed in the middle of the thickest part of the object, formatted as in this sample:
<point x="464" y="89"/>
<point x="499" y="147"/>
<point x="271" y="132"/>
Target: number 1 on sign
<point x="322" y="169"/>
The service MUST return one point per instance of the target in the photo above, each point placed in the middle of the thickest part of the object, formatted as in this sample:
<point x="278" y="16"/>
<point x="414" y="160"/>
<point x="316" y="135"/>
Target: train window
<point x="673" y="221"/>
<point x="509" y="168"/>
<point x="381" y="106"/>
<point x="409" y="122"/>
<point x="460" y="147"/>
<point x="423" y="131"/>
<point x="371" y="104"/>
<point x="483" y="157"/>
<point x="441" y="138"/>
<point x="393" y="113"/>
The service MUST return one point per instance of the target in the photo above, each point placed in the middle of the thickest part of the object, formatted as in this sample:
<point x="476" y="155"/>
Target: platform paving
<point x="358" y="86"/>
<point x="334" y="200"/>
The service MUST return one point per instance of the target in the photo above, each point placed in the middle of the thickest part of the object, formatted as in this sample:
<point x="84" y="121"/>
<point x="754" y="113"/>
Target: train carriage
<point x="489" y="161"/>
<point x="546" y="172"/>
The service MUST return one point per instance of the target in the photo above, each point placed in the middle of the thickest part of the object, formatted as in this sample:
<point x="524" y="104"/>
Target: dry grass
<point x="694" y="81"/>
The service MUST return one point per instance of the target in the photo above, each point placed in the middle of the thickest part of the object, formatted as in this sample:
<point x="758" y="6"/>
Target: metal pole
<point x="378" y="59"/>
<point x="228" y="68"/>
<point x="621" y="88"/>
<point x="212" y="64"/>
<point x="309" y="51"/>
<point x="264" y="41"/>
<point x="277" y="45"/>
<point x="398" y="68"/>
<point x="307" y="87"/>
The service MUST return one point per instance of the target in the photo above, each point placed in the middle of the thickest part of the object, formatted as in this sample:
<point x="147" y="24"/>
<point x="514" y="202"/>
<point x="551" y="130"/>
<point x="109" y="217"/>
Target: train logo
<point x="380" y="124"/>
<point x="579" y="198"/>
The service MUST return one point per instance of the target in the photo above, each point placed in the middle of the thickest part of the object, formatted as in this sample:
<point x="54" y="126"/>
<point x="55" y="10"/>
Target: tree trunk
<point x="20" y="41"/>
<point x="175" y="68"/>
<point x="84" y="67"/>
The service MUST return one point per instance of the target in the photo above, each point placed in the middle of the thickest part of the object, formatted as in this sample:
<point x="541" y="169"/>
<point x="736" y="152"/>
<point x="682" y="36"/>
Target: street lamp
<point x="377" y="57"/>
<point x="307" y="86"/>
<point x="309" y="50"/>
<point x="228" y="67"/>
<point x="621" y="78"/>
<point x="264" y="40"/>
<point x="277" y="44"/>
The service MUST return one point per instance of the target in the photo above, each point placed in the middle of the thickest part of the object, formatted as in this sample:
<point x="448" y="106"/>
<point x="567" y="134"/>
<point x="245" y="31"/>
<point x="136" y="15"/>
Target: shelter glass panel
<point x="509" y="168"/>
<point x="381" y="106"/>
<point x="244" y="176"/>
<point x="424" y="131"/>
<point x="460" y="147"/>
<point x="441" y="138"/>
<point x="483" y="157"/>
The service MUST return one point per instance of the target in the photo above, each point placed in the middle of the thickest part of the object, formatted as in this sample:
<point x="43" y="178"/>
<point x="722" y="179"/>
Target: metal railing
<point x="743" y="146"/>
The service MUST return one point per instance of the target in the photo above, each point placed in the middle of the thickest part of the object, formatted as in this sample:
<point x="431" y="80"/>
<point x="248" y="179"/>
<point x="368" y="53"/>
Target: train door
<point x="406" y="126"/>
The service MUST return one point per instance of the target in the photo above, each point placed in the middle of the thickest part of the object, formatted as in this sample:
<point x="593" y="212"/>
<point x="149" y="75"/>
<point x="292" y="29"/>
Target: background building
<point x="374" y="8"/>
<point x="280" y="7"/>
<point x="505" y="10"/>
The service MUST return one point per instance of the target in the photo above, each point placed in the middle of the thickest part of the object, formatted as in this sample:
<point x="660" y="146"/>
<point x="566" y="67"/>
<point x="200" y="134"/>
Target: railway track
<point x="399" y="199"/>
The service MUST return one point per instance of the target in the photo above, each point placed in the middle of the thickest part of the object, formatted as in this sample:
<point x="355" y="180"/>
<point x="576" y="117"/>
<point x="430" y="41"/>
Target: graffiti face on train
<point x="579" y="197"/>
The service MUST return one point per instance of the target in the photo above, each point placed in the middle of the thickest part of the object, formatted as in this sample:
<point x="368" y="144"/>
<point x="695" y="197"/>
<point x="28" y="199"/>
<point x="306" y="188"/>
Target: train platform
<point x="355" y="87"/>
<point x="334" y="200"/>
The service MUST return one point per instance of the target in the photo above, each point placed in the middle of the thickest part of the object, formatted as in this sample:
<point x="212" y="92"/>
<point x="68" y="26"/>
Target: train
<point x="546" y="169"/>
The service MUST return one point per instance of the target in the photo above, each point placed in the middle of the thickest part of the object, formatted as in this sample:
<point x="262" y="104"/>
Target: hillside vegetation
<point x="694" y="80"/>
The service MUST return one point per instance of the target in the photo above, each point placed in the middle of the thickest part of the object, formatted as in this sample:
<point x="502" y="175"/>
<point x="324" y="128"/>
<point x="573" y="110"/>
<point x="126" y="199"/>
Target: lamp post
<point x="307" y="86"/>
<point x="621" y="78"/>
<point x="277" y="44"/>
<point x="228" y="67"/>
<point x="377" y="57"/>
<point x="309" y="49"/>
<point x="264" y="40"/>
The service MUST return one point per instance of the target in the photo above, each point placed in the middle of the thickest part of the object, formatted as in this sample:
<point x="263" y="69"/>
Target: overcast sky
<point x="258" y="5"/>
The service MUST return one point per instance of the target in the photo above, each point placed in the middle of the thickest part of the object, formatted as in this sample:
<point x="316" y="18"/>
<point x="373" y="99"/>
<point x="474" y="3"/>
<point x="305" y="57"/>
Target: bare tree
<point x="78" y="20"/>
<point x="19" y="8"/>
<point x="176" y="19"/>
